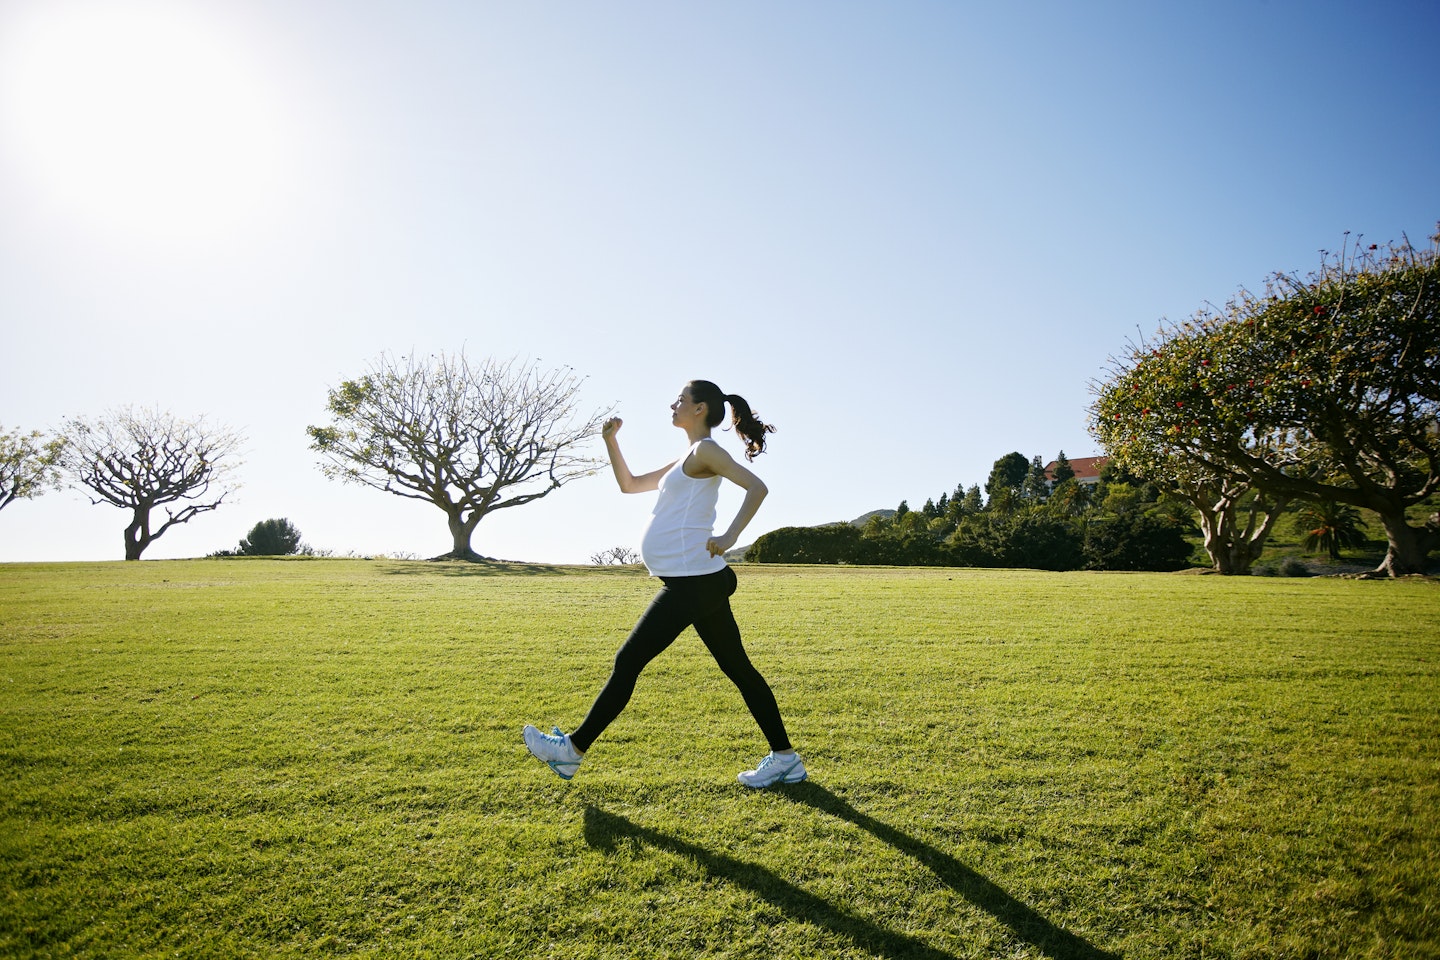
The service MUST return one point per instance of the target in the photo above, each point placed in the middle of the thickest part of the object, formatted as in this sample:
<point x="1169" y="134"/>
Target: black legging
<point x="703" y="602"/>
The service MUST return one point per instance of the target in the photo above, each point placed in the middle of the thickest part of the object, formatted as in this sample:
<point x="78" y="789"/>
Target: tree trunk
<point x="461" y="529"/>
<point x="1230" y="553"/>
<point x="1409" y="548"/>
<point x="137" y="535"/>
<point x="1212" y="526"/>
<point x="1268" y="514"/>
<point x="1234" y="551"/>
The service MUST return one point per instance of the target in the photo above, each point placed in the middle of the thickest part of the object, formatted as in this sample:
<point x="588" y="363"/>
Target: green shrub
<point x="832" y="543"/>
<point x="1135" y="541"/>
<point x="271" y="538"/>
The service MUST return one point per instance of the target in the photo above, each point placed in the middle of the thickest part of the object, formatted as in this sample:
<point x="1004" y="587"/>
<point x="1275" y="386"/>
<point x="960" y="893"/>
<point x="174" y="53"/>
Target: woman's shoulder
<point x="708" y="449"/>
<point x="704" y="459"/>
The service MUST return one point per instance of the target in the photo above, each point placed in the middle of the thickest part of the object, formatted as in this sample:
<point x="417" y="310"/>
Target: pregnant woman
<point x="681" y="548"/>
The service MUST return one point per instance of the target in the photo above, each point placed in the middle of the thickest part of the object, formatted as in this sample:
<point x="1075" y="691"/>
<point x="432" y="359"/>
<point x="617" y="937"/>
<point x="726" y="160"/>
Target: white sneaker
<point x="554" y="750"/>
<point x="775" y="768"/>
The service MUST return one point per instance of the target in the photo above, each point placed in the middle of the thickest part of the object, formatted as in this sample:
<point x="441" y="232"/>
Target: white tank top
<point x="683" y="519"/>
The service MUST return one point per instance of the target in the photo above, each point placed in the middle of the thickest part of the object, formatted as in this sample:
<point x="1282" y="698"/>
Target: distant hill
<point x="861" y="520"/>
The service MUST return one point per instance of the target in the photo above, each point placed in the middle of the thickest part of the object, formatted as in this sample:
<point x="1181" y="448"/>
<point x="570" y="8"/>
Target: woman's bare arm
<point x="712" y="459"/>
<point x="629" y="483"/>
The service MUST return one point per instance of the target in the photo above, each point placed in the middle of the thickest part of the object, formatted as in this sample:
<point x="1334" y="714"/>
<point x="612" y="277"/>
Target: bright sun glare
<point x="138" y="120"/>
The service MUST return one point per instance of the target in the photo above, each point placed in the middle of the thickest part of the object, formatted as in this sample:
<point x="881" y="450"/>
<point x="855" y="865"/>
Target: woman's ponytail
<point x="749" y="426"/>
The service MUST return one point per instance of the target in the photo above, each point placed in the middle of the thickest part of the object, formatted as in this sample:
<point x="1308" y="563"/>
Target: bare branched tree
<point x="140" y="460"/>
<point x="470" y="438"/>
<point x="615" y="556"/>
<point x="27" y="465"/>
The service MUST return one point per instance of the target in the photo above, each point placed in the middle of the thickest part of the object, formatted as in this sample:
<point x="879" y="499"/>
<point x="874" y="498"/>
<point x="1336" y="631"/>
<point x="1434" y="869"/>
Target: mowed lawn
<point x="313" y="758"/>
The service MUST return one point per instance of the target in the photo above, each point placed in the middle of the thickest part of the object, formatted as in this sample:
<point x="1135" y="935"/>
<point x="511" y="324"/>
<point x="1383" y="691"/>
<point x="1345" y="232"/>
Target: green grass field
<point x="314" y="758"/>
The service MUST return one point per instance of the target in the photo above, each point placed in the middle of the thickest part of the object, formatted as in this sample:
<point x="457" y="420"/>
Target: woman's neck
<point x="697" y="433"/>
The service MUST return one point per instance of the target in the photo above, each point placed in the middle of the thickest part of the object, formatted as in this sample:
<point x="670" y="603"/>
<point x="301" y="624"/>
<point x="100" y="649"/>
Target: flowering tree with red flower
<point x="1327" y="387"/>
<point x="1154" y="419"/>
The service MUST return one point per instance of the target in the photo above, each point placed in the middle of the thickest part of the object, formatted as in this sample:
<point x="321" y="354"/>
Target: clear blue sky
<point x="910" y="233"/>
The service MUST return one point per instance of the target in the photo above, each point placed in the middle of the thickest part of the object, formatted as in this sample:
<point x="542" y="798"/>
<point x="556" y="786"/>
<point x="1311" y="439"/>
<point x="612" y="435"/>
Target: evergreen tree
<point x="1008" y="474"/>
<point x="972" y="502"/>
<point x="1035" y="488"/>
<point x="1063" y="471"/>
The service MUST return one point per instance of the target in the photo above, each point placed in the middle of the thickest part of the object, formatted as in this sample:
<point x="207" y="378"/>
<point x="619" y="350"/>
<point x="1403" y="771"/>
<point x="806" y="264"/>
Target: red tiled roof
<point x="1086" y="468"/>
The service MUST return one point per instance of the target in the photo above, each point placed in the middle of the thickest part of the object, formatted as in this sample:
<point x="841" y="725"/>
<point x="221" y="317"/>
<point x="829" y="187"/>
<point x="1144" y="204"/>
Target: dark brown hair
<point x="741" y="416"/>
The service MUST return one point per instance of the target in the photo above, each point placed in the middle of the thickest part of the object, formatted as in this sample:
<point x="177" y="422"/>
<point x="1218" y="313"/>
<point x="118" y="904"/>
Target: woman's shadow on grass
<point x="604" y="830"/>
<point x="1024" y="922"/>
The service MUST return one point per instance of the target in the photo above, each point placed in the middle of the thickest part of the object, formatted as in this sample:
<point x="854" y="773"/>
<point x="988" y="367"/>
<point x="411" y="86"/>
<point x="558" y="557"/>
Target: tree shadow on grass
<point x="604" y="830"/>
<point x="486" y="567"/>
<point x="1024" y="922"/>
<point x="473" y="568"/>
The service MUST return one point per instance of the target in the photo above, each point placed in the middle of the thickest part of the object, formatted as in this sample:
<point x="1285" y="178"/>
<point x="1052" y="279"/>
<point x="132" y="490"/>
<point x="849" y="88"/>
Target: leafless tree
<point x="615" y="556"/>
<point x="470" y="438"/>
<point x="27" y="465"/>
<point x="140" y="460"/>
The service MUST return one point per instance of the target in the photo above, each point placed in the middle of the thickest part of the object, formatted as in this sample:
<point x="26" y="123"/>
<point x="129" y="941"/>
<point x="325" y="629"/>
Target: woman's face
<point x="685" y="410"/>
